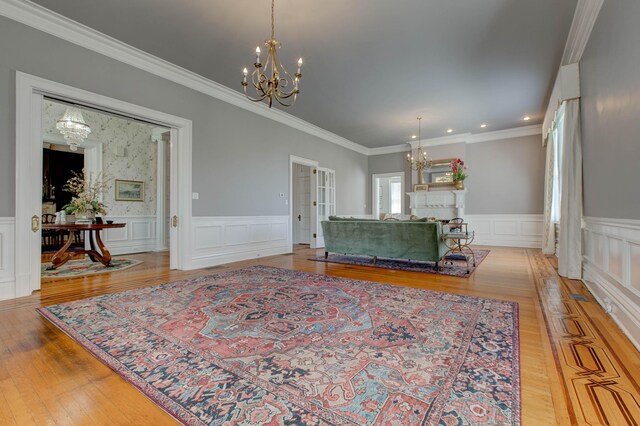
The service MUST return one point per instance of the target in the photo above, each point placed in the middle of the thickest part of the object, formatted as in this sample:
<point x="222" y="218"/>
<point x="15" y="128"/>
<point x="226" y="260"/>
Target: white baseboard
<point x="218" y="240"/>
<point x="138" y="236"/>
<point x="508" y="230"/>
<point x="7" y="258"/>
<point x="611" y="270"/>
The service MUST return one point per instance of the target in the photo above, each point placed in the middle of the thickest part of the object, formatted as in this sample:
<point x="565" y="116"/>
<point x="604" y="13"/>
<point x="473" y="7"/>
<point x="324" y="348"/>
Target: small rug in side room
<point x="455" y="266"/>
<point x="80" y="268"/>
<point x="272" y="346"/>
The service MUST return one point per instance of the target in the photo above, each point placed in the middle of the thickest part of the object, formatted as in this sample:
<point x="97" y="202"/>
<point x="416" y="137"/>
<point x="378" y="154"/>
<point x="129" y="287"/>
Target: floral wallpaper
<point x="138" y="162"/>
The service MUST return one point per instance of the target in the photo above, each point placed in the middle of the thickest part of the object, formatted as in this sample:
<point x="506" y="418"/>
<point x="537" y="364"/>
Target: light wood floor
<point x="577" y="367"/>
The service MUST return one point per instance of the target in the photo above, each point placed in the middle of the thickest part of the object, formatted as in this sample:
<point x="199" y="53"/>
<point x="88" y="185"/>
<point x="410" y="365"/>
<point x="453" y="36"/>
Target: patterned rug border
<point x="412" y="266"/>
<point x="105" y="270"/>
<point x="151" y="393"/>
<point x="183" y="415"/>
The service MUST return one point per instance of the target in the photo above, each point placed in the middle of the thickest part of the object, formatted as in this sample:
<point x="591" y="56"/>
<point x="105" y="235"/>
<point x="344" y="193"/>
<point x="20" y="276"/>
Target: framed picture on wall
<point x="129" y="190"/>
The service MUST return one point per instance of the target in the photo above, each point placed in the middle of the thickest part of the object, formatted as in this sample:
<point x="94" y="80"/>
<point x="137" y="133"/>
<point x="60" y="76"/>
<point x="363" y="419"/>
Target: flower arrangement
<point x="458" y="168"/>
<point x="86" y="194"/>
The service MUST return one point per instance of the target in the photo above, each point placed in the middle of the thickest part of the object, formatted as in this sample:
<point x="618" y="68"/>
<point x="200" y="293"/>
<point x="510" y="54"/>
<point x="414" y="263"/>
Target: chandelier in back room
<point x="420" y="161"/>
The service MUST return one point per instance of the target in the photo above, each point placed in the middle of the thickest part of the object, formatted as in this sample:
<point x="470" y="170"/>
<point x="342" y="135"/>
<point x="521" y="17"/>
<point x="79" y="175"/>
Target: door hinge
<point x="315" y="203"/>
<point x="174" y="221"/>
<point x="315" y="236"/>
<point x="315" y="171"/>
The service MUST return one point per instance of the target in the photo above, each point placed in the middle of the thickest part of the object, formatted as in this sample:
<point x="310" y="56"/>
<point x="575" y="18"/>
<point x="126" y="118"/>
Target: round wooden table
<point x="99" y="254"/>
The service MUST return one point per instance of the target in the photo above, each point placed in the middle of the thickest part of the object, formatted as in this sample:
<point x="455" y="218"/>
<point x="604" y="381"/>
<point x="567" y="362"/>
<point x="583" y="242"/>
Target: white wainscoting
<point x="509" y="230"/>
<point x="218" y="240"/>
<point x="7" y="259"/>
<point x="611" y="269"/>
<point x="138" y="236"/>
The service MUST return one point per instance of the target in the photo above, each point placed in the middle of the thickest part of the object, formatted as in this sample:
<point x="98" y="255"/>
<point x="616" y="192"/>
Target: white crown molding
<point x="584" y="19"/>
<point x="516" y="132"/>
<point x="391" y="149"/>
<point x="45" y="20"/>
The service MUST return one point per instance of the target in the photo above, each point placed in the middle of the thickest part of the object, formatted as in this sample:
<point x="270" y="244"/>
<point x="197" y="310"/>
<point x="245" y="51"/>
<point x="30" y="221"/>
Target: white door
<point x="174" y="220"/>
<point x="325" y="200"/>
<point x="302" y="206"/>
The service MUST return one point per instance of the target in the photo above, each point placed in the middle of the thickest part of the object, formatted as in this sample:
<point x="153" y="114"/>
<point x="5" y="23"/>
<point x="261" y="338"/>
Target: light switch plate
<point x="195" y="195"/>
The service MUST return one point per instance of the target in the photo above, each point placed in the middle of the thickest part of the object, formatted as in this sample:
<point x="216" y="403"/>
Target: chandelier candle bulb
<point x="257" y="54"/>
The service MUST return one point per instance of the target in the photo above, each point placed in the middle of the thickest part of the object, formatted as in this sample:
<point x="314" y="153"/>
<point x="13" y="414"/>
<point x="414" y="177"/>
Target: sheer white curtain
<point x="548" y="238"/>
<point x="552" y="184"/>
<point x="570" y="161"/>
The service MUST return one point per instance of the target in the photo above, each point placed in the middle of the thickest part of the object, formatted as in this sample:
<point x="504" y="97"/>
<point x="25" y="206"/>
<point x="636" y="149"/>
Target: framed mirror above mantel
<point x="439" y="177"/>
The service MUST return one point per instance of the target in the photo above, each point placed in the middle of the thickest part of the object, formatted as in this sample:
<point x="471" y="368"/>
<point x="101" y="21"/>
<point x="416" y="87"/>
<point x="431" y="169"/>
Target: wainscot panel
<point x="7" y="260"/>
<point x="509" y="230"/>
<point x="138" y="236"/>
<point x="611" y="270"/>
<point x="218" y="240"/>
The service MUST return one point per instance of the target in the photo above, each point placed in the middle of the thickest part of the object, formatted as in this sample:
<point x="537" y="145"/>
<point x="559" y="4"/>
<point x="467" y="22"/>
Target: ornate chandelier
<point x="420" y="161"/>
<point x="276" y="86"/>
<point x="73" y="127"/>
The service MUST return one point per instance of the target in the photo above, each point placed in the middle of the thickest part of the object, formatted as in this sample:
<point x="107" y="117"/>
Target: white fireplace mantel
<point x="439" y="204"/>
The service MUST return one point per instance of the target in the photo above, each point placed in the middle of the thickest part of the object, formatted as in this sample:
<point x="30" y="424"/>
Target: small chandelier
<point x="420" y="161"/>
<point x="73" y="127"/>
<point x="277" y="85"/>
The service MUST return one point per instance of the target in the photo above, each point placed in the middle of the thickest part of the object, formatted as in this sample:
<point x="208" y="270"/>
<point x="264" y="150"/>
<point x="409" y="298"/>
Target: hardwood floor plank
<point x="42" y="367"/>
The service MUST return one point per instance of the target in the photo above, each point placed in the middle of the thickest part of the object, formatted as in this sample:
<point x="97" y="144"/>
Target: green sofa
<point x="399" y="239"/>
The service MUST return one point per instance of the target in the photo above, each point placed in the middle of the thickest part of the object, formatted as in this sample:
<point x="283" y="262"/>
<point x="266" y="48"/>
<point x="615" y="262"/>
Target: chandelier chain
<point x="273" y="26"/>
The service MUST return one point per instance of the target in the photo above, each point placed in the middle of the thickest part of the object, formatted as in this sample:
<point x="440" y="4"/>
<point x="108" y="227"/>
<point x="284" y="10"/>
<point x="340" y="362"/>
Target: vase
<point x="459" y="184"/>
<point x="85" y="216"/>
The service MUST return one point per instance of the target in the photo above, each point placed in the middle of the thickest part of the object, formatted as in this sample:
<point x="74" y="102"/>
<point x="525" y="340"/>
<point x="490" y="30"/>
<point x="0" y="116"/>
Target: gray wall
<point x="505" y="176"/>
<point x="610" y="89"/>
<point x="240" y="160"/>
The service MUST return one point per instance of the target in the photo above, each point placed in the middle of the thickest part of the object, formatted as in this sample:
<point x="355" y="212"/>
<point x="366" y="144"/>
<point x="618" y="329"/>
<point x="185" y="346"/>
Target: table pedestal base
<point x="99" y="254"/>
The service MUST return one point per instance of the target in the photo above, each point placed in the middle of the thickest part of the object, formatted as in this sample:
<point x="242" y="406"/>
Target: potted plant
<point x="458" y="168"/>
<point x="85" y="202"/>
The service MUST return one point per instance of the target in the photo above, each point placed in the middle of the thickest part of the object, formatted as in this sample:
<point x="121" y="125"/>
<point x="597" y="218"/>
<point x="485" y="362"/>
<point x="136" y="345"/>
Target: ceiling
<point x="371" y="66"/>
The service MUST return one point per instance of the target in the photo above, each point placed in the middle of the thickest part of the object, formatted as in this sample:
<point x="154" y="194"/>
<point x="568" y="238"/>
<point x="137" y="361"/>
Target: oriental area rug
<point x="84" y="267"/>
<point x="265" y="345"/>
<point x="454" y="265"/>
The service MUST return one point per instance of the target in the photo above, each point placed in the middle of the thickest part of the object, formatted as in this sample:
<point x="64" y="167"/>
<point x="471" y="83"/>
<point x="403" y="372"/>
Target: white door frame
<point x="305" y="162"/>
<point x="374" y="199"/>
<point x="29" y="94"/>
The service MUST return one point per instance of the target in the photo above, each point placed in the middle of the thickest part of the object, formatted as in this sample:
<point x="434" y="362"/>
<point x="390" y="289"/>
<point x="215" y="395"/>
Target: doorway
<point x="127" y="170"/>
<point x="30" y="92"/>
<point x="301" y="201"/>
<point x="388" y="194"/>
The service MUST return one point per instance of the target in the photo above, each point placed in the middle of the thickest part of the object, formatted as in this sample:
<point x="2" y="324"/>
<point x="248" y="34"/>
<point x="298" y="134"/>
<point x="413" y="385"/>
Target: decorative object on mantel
<point x="458" y="167"/>
<point x="87" y="193"/>
<point x="272" y="87"/>
<point x="73" y="127"/>
<point x="419" y="162"/>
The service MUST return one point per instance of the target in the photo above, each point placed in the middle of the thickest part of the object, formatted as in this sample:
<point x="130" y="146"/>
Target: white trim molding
<point x="50" y="22"/>
<point x="611" y="269"/>
<point x="507" y="230"/>
<point x="584" y="19"/>
<point x="516" y="132"/>
<point x="29" y="95"/>
<point x="219" y="240"/>
<point x="7" y="258"/>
